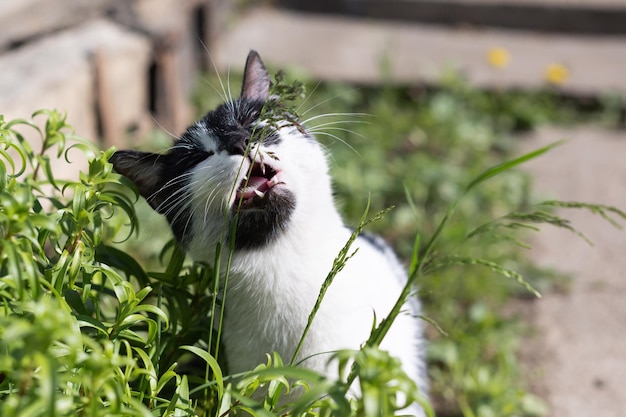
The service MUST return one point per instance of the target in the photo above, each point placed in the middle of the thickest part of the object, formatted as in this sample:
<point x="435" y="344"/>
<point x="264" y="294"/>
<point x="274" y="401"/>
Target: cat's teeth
<point x="274" y="181"/>
<point x="259" y="193"/>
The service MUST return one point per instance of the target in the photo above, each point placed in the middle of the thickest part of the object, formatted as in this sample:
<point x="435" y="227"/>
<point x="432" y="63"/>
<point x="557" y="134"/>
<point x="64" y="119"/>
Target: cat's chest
<point x="265" y="312"/>
<point x="270" y="296"/>
<point x="277" y="282"/>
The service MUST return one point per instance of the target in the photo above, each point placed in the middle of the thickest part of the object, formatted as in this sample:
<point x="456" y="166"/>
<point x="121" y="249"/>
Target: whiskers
<point x="224" y="92"/>
<point x="333" y="125"/>
<point x="164" y="129"/>
<point x="331" y="128"/>
<point x="173" y="201"/>
<point x="193" y="197"/>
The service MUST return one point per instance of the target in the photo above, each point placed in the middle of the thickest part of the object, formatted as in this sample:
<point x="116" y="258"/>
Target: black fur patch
<point x="375" y="241"/>
<point x="172" y="196"/>
<point x="258" y="226"/>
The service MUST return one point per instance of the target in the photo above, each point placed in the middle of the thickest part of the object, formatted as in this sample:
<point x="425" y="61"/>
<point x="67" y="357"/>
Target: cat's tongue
<point x="254" y="186"/>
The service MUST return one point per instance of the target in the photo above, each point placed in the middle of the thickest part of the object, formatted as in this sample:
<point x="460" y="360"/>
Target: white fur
<point x="271" y="291"/>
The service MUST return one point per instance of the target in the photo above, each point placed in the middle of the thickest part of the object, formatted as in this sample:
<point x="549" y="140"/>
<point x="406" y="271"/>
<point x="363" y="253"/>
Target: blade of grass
<point x="338" y="265"/>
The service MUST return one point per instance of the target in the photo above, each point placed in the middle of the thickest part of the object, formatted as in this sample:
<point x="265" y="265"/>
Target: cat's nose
<point x="236" y="144"/>
<point x="236" y="148"/>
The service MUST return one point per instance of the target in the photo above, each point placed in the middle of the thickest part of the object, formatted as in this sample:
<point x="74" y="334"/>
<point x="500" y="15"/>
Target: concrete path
<point x="578" y="358"/>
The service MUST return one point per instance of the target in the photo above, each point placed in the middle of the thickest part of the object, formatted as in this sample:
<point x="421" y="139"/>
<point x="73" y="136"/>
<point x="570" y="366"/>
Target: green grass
<point x="93" y="326"/>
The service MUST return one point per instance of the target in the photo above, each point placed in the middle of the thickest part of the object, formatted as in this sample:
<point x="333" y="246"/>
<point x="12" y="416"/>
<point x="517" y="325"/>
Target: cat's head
<point x="233" y="164"/>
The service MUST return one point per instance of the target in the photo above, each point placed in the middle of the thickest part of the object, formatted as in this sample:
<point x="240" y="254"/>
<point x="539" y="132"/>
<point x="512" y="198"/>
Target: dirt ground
<point x="577" y="359"/>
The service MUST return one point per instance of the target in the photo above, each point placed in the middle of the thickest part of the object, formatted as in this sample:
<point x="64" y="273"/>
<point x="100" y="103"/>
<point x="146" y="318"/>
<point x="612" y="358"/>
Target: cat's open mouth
<point x="253" y="189"/>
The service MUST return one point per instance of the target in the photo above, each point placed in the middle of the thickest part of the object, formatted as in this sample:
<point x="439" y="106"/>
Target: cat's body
<point x="288" y="235"/>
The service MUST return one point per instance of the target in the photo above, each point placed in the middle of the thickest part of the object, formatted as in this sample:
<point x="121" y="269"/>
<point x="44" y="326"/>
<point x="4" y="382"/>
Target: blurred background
<point x="117" y="65"/>
<point x="425" y="94"/>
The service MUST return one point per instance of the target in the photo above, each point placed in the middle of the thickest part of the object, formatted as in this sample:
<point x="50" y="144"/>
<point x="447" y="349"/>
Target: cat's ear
<point x="256" y="81"/>
<point x="144" y="169"/>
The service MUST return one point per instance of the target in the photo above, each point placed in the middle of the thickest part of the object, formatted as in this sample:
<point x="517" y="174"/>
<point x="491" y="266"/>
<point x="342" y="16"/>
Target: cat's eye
<point x="194" y="158"/>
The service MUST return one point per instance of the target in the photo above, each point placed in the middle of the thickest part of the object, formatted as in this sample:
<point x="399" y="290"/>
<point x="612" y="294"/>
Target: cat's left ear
<point x="145" y="169"/>
<point x="256" y="81"/>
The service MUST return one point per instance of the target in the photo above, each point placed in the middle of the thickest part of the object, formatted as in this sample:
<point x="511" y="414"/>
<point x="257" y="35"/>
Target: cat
<point x="288" y="233"/>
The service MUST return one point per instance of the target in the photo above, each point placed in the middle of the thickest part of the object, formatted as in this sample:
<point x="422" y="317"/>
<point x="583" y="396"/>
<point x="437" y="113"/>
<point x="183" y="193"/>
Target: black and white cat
<point x="287" y="235"/>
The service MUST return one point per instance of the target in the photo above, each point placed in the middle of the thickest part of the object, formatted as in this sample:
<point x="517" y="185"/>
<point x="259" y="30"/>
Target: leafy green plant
<point x="64" y="349"/>
<point x="87" y="329"/>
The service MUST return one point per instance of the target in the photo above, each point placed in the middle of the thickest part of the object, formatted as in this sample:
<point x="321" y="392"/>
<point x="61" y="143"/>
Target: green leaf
<point x="176" y="261"/>
<point x="182" y="402"/>
<point x="149" y="369"/>
<point x="44" y="162"/>
<point x="46" y="222"/>
<point x="75" y="301"/>
<point x="508" y="165"/>
<point x="213" y="365"/>
<point x="84" y="320"/>
<point x="117" y="258"/>
<point x="148" y="308"/>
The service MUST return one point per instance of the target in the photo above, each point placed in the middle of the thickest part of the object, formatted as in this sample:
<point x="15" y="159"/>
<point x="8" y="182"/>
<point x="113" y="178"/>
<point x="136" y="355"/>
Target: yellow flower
<point x="556" y="74"/>
<point x="498" y="57"/>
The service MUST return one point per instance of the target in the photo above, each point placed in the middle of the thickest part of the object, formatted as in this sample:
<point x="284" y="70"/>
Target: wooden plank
<point x="374" y="51"/>
<point x="598" y="17"/>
